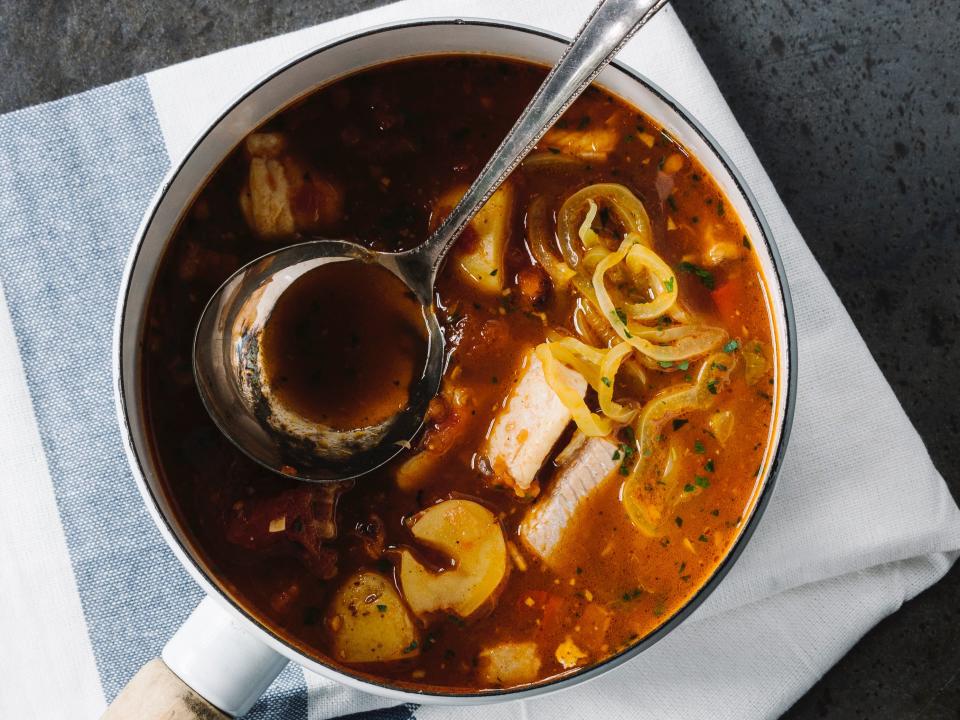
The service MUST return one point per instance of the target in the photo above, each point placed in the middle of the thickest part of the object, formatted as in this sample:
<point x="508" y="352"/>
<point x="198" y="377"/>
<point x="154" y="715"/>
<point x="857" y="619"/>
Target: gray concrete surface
<point x="854" y="108"/>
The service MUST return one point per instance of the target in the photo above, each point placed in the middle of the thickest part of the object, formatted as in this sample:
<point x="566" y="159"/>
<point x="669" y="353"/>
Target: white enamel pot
<point x="223" y="658"/>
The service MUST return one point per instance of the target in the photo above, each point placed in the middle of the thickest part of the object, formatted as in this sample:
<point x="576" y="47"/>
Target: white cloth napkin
<point x="860" y="520"/>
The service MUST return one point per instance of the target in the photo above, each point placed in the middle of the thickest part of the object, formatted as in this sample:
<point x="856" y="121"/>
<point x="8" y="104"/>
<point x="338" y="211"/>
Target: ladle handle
<point x="156" y="693"/>
<point x="612" y="23"/>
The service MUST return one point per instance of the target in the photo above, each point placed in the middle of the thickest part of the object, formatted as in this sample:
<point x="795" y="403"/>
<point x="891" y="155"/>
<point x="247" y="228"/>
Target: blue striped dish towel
<point x="860" y="520"/>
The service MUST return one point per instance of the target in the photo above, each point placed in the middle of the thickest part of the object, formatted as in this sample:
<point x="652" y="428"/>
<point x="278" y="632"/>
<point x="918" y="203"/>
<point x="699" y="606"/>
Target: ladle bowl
<point x="235" y="389"/>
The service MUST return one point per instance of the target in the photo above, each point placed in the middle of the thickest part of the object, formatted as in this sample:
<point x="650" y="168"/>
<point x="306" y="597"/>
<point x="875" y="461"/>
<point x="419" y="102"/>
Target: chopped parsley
<point x="666" y="363"/>
<point x="701" y="481"/>
<point x="626" y="452"/>
<point x="684" y="365"/>
<point x="679" y="423"/>
<point x="382" y="608"/>
<point x="703" y="538"/>
<point x="679" y="521"/>
<point x="712" y="387"/>
<point x="715" y="512"/>
<point x="688" y="488"/>
<point x="606" y="381"/>
<point x="698" y="447"/>
<point x="731" y="346"/>
<point x="410" y="648"/>
<point x="669" y="284"/>
<point x="708" y="465"/>
<point x="494" y="272"/>
<point x="720" y="210"/>
<point x="706" y="277"/>
<point x="621" y="315"/>
<point x="632" y="594"/>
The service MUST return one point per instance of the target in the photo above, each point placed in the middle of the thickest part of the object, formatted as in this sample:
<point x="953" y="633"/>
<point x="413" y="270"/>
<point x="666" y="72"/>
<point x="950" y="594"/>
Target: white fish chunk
<point x="587" y="467"/>
<point x="528" y="426"/>
<point x="283" y="195"/>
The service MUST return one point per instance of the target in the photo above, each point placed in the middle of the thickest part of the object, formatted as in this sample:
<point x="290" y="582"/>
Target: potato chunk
<point x="471" y="535"/>
<point x="369" y="622"/>
<point x="511" y="663"/>
<point x="479" y="251"/>
<point x="569" y="655"/>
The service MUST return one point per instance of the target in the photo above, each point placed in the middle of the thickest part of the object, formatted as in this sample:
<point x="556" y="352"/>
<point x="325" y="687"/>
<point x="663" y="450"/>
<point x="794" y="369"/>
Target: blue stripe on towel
<point x="397" y="712"/>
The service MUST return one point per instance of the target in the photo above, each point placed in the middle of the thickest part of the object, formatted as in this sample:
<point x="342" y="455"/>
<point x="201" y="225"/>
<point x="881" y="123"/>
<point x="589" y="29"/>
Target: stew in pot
<point x="606" y="410"/>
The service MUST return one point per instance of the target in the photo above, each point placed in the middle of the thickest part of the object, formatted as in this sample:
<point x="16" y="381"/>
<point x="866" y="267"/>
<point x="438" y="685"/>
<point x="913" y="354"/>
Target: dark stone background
<point x="854" y="108"/>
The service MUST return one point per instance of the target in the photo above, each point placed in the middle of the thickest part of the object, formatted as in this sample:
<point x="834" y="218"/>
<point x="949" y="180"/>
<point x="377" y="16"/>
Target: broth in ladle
<point x="343" y="345"/>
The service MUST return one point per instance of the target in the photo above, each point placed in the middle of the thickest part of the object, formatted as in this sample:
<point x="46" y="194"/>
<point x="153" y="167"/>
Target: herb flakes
<point x="706" y="277"/>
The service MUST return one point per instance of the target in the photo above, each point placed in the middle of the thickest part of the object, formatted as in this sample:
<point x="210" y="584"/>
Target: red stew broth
<point x="394" y="139"/>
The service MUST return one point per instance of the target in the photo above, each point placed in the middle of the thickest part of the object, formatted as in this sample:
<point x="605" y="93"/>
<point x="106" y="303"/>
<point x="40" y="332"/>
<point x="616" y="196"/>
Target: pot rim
<point x="363" y="682"/>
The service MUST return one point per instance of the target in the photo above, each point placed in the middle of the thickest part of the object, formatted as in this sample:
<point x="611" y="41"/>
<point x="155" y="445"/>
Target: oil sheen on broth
<point x="343" y="345"/>
<point x="604" y="417"/>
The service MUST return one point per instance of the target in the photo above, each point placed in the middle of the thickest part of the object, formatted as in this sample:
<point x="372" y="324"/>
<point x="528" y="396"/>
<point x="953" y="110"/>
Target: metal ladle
<point x="227" y="359"/>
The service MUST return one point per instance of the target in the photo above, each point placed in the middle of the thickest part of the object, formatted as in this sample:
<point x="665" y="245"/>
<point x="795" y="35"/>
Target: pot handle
<point x="211" y="669"/>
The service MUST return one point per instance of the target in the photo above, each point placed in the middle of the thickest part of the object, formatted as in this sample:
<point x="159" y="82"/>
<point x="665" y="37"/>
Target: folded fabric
<point x="860" y="519"/>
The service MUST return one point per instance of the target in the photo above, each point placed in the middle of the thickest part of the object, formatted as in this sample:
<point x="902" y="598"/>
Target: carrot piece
<point x="725" y="298"/>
